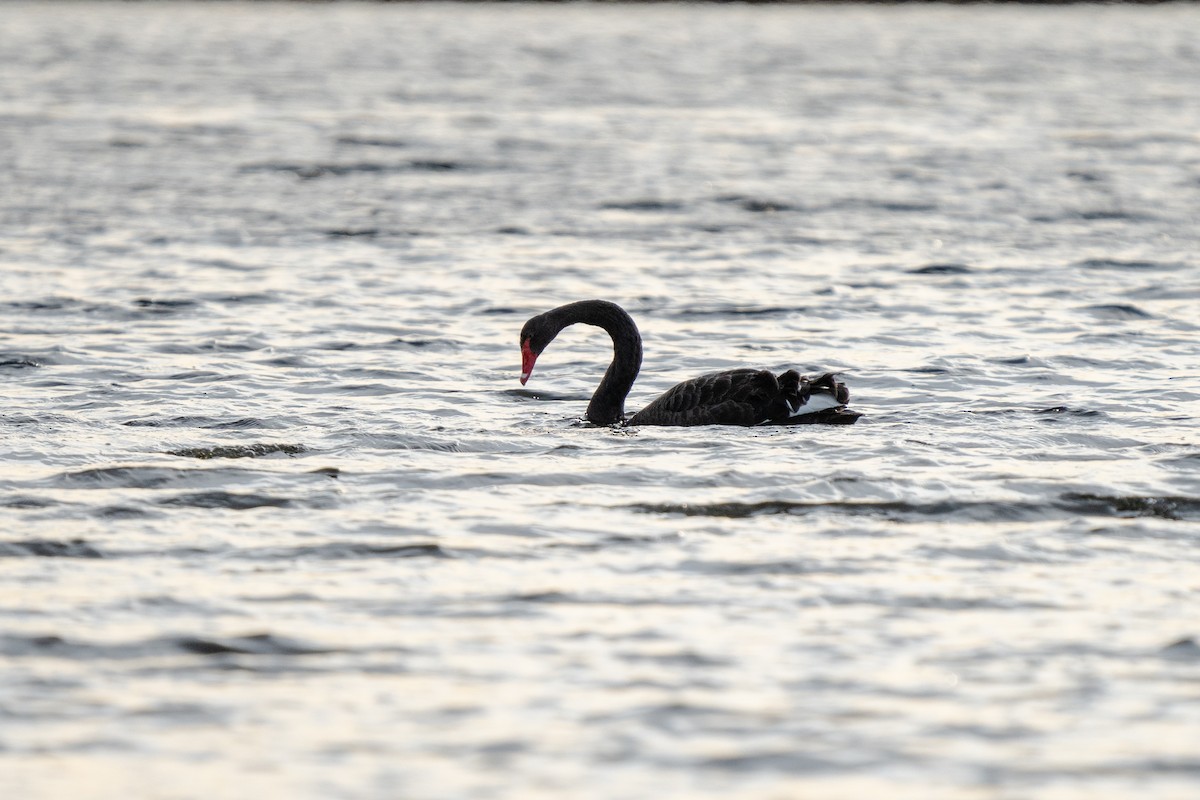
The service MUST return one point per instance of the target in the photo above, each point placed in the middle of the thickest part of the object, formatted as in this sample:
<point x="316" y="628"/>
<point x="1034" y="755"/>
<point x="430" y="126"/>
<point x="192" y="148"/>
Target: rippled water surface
<point x="279" y="520"/>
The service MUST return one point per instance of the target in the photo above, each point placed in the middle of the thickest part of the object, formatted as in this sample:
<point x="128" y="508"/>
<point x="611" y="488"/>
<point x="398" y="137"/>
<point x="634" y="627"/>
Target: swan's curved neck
<point x="608" y="401"/>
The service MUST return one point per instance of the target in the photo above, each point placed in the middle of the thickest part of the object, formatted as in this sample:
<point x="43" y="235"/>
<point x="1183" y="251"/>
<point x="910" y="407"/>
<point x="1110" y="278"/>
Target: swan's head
<point x="535" y="335"/>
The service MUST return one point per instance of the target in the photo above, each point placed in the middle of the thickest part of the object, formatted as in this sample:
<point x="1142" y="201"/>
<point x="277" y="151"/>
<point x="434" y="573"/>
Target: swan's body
<point x="733" y="397"/>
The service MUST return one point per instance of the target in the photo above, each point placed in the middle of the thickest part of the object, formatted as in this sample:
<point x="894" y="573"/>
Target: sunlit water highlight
<point x="280" y="520"/>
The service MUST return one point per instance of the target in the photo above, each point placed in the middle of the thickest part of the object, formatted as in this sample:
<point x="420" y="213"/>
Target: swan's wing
<point x="750" y="397"/>
<point x="734" y="397"/>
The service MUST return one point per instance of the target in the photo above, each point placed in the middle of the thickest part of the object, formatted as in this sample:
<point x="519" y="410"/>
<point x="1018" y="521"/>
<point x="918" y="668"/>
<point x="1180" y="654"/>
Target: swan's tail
<point x="814" y="400"/>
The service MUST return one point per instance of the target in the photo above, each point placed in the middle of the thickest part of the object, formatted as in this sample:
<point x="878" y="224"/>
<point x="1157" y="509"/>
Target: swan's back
<point x="749" y="397"/>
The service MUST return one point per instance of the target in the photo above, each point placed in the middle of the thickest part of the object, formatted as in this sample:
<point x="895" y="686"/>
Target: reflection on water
<point x="279" y="515"/>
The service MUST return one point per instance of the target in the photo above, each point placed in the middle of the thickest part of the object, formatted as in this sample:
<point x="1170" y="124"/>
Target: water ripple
<point x="1068" y="504"/>
<point x="45" y="548"/>
<point x="258" y="644"/>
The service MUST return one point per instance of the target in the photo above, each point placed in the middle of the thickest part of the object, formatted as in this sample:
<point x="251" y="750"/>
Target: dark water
<point x="279" y="519"/>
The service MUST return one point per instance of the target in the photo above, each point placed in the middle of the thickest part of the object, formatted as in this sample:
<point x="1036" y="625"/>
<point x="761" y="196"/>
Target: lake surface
<point x="280" y="521"/>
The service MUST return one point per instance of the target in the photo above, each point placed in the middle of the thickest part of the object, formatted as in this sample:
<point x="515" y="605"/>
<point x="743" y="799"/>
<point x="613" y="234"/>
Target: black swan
<point x="733" y="397"/>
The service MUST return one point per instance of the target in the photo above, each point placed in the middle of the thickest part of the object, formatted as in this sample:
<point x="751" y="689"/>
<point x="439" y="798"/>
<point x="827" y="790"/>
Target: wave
<point x="231" y="500"/>
<point x="239" y="451"/>
<point x="312" y="170"/>
<point x="256" y="644"/>
<point x="143" y="477"/>
<point x="338" y="551"/>
<point x="209" y="423"/>
<point x="757" y="205"/>
<point x="644" y="205"/>
<point x="941" y="269"/>
<point x="19" y="362"/>
<point x="1068" y="504"/>
<point x="1117" y="311"/>
<point x="1125" y="264"/>
<point x="48" y="548"/>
